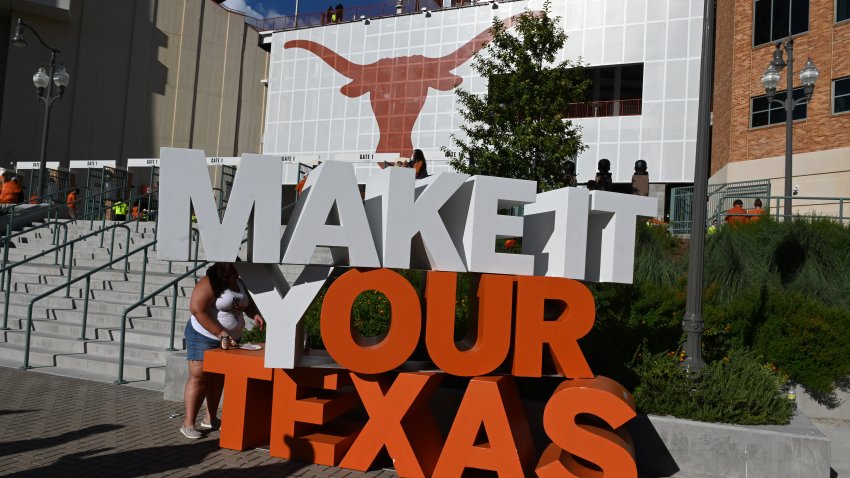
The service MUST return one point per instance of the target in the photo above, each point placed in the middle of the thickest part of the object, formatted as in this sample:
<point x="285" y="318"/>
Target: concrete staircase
<point x="56" y="346"/>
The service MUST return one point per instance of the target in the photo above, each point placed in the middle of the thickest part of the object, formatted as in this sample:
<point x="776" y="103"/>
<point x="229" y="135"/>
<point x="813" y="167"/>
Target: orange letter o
<point x="405" y="321"/>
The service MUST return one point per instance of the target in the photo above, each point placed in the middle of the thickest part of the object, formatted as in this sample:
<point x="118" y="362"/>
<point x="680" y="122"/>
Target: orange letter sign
<point x="491" y="403"/>
<point x="611" y="450"/>
<point x="399" y="418"/>
<point x="297" y="412"/>
<point x="405" y="323"/>
<point x="493" y="337"/>
<point x="532" y="330"/>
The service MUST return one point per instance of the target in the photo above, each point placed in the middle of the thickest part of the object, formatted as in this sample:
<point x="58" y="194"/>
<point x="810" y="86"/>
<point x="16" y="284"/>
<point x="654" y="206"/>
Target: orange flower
<point x="510" y="243"/>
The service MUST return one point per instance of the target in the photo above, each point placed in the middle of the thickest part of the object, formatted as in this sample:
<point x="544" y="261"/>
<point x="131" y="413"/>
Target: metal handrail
<point x="720" y="210"/>
<point x="174" y="284"/>
<point x="38" y="199"/>
<point x="6" y="271"/>
<point x="9" y="235"/>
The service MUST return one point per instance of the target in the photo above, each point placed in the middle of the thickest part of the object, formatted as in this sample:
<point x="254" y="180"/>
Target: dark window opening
<point x="841" y="95"/>
<point x="615" y="90"/>
<point x="842" y="10"/>
<point x="765" y="113"/>
<point x="770" y="19"/>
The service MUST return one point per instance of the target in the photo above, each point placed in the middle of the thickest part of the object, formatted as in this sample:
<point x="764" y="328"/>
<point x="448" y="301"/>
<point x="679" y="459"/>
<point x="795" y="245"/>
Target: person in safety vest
<point x="119" y="211"/>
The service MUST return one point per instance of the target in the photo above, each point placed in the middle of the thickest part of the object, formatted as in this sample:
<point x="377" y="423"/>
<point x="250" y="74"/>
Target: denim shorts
<point x="197" y="343"/>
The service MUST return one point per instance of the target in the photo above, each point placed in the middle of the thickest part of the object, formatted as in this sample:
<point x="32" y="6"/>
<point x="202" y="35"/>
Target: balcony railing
<point x="596" y="109"/>
<point x="349" y="14"/>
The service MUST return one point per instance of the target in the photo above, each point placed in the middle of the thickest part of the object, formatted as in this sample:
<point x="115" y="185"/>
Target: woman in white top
<point x="218" y="306"/>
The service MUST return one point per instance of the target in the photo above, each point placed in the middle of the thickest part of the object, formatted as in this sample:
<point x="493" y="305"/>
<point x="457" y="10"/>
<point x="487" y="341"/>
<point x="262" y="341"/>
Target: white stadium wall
<point x="314" y="110"/>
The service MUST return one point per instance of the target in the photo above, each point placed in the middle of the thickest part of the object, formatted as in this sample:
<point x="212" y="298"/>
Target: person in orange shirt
<point x="11" y="192"/>
<point x="300" y="186"/>
<point x="736" y="215"/>
<point x="71" y="203"/>
<point x="756" y="212"/>
<point x="135" y="211"/>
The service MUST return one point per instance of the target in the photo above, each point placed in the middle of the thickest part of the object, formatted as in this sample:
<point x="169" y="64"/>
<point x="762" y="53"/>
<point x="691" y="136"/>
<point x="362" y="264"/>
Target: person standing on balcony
<point x="329" y="16"/>
<point x="218" y="305"/>
<point x="339" y="11"/>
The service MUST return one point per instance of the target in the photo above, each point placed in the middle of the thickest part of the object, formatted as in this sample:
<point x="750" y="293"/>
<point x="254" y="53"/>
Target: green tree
<point x="517" y="129"/>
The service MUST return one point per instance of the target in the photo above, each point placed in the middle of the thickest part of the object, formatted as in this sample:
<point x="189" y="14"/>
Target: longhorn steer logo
<point x="398" y="87"/>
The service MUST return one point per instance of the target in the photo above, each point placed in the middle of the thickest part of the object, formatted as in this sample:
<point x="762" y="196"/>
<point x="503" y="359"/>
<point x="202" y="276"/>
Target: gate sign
<point x="36" y="165"/>
<point x="92" y="164"/>
<point x="445" y="224"/>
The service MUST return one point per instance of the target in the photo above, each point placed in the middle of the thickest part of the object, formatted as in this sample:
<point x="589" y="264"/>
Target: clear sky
<point x="277" y="8"/>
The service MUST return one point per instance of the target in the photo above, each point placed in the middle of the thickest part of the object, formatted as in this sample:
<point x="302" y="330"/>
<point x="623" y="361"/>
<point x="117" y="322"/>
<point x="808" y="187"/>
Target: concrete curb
<point x="668" y="446"/>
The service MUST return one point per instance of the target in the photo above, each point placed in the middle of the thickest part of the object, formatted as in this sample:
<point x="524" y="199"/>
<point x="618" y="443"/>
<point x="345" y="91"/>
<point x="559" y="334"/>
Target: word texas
<point x="446" y="222"/>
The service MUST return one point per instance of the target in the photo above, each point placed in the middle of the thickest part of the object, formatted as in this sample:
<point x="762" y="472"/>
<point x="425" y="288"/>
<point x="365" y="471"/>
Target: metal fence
<point x="834" y="208"/>
<point x="681" y="201"/>
<point x="594" y="109"/>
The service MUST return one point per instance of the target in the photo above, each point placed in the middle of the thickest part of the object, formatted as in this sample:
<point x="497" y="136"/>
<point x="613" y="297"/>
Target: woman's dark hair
<point x="217" y="274"/>
<point x="418" y="155"/>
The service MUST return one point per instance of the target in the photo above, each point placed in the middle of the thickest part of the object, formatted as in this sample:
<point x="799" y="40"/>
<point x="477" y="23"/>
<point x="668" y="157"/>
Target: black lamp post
<point x="44" y="89"/>
<point x="770" y="79"/>
<point x="693" y="323"/>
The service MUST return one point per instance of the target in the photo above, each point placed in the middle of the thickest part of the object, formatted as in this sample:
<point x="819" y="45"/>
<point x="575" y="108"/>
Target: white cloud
<point x="251" y="8"/>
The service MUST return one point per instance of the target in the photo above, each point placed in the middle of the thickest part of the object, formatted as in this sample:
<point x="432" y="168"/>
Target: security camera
<point x="796" y="189"/>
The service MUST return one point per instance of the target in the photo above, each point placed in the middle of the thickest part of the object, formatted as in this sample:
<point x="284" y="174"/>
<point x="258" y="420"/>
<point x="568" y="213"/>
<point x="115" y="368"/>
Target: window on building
<point x="770" y="19"/>
<point x="841" y="95"/>
<point x="615" y="90"/>
<point x="842" y="10"/>
<point x="765" y="113"/>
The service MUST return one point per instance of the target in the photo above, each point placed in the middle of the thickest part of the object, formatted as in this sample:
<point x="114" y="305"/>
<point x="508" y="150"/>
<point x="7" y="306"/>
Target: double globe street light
<point x="44" y="88"/>
<point x="770" y="79"/>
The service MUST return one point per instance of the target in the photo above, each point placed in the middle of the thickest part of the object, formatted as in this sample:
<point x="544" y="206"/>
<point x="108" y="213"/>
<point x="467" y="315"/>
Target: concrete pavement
<point x="53" y="426"/>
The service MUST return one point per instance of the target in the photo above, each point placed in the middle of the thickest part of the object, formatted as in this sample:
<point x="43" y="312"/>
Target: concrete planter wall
<point x="668" y="446"/>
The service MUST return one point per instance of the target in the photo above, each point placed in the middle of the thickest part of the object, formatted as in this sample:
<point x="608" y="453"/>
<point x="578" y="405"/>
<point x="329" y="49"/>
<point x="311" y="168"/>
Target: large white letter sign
<point x="555" y="232"/>
<point x="283" y="306"/>
<point x="330" y="213"/>
<point x="402" y="210"/>
<point x="611" y="235"/>
<point x="185" y="180"/>
<point x="484" y="225"/>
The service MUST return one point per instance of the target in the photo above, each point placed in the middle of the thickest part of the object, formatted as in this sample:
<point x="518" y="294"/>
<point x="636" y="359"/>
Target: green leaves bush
<point x="737" y="389"/>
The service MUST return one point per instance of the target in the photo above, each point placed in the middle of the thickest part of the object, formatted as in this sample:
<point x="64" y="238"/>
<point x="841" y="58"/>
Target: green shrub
<point x="255" y="335"/>
<point x="807" y="340"/>
<point x="738" y="389"/>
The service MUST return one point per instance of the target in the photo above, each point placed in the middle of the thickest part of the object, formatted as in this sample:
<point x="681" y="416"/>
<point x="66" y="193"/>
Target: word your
<point x="446" y="222"/>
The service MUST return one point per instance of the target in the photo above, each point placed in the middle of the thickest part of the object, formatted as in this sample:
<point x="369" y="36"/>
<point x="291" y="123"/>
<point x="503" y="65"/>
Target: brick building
<point x="749" y="134"/>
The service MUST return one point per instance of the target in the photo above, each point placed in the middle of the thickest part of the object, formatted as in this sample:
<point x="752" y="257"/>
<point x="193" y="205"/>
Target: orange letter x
<point x="399" y="418"/>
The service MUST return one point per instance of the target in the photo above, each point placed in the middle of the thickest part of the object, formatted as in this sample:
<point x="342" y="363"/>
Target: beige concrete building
<point x="144" y="74"/>
<point x="749" y="132"/>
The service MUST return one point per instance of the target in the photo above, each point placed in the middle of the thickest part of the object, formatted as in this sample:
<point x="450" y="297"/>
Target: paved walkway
<point x="54" y="426"/>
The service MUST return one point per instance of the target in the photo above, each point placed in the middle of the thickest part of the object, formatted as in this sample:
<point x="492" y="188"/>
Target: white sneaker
<point x="213" y="424"/>
<point x="190" y="433"/>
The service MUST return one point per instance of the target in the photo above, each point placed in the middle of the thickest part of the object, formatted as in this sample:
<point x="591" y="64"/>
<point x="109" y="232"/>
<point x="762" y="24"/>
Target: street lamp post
<point x="770" y="79"/>
<point x="693" y="323"/>
<point x="44" y="89"/>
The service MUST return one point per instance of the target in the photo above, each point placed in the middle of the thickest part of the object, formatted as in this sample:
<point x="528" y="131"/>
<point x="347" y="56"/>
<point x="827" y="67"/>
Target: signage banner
<point x="442" y="225"/>
<point x="92" y="164"/>
<point x="36" y="164"/>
